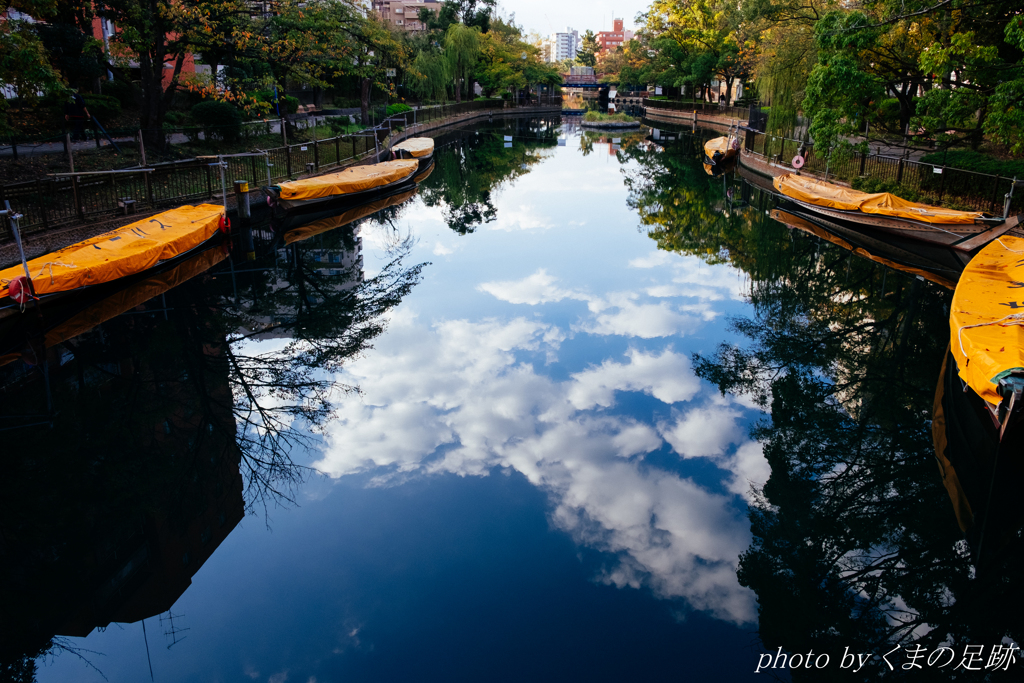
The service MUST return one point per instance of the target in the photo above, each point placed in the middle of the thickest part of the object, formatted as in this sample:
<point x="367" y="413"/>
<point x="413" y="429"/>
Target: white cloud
<point x="538" y="288"/>
<point x="654" y="260"/>
<point x="667" y="377"/>
<point x="641" y="320"/>
<point x="442" y="250"/>
<point x="704" y="432"/>
<point x="454" y="399"/>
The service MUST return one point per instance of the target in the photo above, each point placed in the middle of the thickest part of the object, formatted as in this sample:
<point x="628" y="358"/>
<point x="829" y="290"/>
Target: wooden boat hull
<point x="981" y="475"/>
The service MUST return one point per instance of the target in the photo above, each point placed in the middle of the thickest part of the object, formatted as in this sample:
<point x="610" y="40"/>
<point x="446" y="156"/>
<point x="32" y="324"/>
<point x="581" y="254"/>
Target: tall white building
<point x="564" y="45"/>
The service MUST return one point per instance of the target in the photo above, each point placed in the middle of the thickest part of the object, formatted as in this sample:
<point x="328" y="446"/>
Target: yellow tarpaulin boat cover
<point x="832" y="196"/>
<point x="128" y="250"/>
<point x="986" y="336"/>
<point x="354" y="179"/>
<point x="304" y="232"/>
<point x="716" y="145"/>
<point x="417" y="147"/>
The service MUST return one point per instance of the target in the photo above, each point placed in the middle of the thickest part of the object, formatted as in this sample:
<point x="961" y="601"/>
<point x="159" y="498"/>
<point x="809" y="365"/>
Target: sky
<point x="545" y="17"/>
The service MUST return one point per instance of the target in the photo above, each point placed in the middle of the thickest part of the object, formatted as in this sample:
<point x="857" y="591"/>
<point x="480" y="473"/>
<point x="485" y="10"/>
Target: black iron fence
<point x="70" y="197"/>
<point x="934" y="184"/>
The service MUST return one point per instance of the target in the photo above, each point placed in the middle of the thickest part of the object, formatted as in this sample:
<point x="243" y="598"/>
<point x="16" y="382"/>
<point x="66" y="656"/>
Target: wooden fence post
<point x="14" y="148"/>
<point x="79" y="209"/>
<point x="67" y="146"/>
<point x="288" y="158"/>
<point x="899" y="171"/>
<point x="995" y="195"/>
<point x="863" y="159"/>
<point x="337" y="150"/>
<point x="316" y="153"/>
<point x="42" y="204"/>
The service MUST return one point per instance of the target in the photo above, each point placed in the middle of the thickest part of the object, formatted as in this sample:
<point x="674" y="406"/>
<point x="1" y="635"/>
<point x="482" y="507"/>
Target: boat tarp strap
<point x="128" y="250"/>
<point x="417" y="147"/>
<point x="304" y="232"/>
<point x="986" y="318"/>
<point x="832" y="196"/>
<point x="353" y="179"/>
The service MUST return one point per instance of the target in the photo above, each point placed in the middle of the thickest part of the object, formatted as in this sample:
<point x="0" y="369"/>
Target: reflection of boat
<point x="978" y="432"/>
<point x="931" y="263"/>
<point x="720" y="154"/>
<point x="424" y="173"/>
<point x="322" y="225"/>
<point x="73" y="323"/>
<point x="962" y="230"/>
<point x="124" y="252"/>
<point x="356" y="184"/>
<point x="420" y="149"/>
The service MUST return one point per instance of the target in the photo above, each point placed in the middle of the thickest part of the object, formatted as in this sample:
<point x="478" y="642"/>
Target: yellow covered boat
<point x="961" y="230"/>
<point x="415" y="148"/>
<point x="120" y="253"/>
<point x="355" y="184"/>
<point x="720" y="154"/>
<point x="986" y="322"/>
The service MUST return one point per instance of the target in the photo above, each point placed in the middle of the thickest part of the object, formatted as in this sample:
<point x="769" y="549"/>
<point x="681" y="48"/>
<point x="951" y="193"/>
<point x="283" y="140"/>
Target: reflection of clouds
<point x="521" y="217"/>
<point x="666" y="377"/>
<point x="539" y="288"/>
<point x="618" y="313"/>
<point x="453" y="398"/>
<point x="689" y="270"/>
<point x="442" y="250"/>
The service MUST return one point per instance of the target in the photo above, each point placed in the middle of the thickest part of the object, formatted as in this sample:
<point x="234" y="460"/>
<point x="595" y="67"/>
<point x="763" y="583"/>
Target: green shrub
<point x="976" y="161"/>
<point x="128" y="94"/>
<point x="398" y="109"/>
<point x="218" y="120"/>
<point x="103" y="107"/>
<point x="598" y="117"/>
<point x="289" y="104"/>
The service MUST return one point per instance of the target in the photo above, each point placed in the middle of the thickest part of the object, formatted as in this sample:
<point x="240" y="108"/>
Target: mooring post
<point x="245" y="218"/>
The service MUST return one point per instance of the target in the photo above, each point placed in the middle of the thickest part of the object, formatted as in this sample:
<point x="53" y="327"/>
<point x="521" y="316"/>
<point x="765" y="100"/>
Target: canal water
<point x="573" y="411"/>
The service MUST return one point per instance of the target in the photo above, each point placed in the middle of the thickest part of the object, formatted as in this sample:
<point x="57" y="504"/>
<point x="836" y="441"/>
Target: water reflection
<point x="149" y="421"/>
<point x="855" y="543"/>
<point x="732" y="414"/>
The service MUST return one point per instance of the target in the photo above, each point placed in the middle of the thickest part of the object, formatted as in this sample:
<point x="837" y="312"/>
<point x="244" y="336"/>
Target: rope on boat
<point x="1013" y="318"/>
<point x="50" y="265"/>
<point x="1015" y="251"/>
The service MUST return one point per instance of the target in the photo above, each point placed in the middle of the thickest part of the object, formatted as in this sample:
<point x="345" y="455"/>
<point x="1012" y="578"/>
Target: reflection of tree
<point x="284" y="397"/>
<point x="855" y="543"/>
<point x="473" y="166"/>
<point x="151" y="435"/>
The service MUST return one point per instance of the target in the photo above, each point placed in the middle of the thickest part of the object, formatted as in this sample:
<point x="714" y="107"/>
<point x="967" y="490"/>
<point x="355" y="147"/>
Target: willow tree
<point x="430" y="76"/>
<point x="461" y="51"/>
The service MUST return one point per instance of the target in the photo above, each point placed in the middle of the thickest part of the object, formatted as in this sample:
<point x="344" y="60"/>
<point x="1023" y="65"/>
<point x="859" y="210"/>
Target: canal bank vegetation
<point x="162" y="67"/>
<point x="944" y="75"/>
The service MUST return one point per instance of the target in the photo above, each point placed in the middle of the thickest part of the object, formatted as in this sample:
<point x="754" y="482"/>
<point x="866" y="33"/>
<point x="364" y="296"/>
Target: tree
<point x="587" y="54"/>
<point x="461" y="51"/>
<point x="25" y="65"/>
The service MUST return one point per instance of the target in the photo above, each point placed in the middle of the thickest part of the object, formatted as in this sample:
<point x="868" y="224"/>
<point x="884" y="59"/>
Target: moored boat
<point x="961" y="230"/>
<point x="978" y="421"/>
<point x="720" y="154"/>
<point x="356" y="184"/>
<point x="420" y="149"/>
<point x="113" y="256"/>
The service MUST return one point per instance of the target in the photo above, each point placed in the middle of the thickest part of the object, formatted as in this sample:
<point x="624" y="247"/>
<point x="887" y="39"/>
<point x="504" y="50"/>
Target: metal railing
<point x="936" y="184"/>
<point x="707" y="108"/>
<point x="63" y="198"/>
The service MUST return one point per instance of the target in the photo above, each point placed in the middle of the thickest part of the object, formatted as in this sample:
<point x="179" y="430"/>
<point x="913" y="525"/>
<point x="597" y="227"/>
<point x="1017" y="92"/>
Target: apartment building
<point x="617" y="37"/>
<point x="562" y="45"/>
<point x="405" y="14"/>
